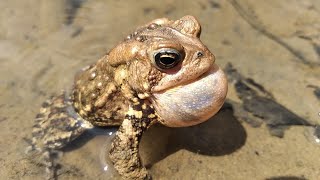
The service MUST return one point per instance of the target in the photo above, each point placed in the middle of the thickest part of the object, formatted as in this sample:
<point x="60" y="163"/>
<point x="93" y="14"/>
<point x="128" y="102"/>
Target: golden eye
<point x="167" y="58"/>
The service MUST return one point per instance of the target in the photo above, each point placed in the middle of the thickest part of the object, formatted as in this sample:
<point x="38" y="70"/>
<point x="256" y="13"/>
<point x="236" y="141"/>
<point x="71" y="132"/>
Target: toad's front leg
<point x="124" y="152"/>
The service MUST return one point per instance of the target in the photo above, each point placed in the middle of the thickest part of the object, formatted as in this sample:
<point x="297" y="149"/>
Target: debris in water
<point x="316" y="91"/>
<point x="259" y="105"/>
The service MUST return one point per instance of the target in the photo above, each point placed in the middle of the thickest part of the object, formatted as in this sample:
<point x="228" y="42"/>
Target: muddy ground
<point x="265" y="130"/>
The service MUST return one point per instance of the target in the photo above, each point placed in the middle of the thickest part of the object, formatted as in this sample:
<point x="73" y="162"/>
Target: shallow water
<point x="275" y="43"/>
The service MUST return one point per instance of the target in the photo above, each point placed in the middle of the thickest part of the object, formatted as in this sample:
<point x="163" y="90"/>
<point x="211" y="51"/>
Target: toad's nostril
<point x="199" y="54"/>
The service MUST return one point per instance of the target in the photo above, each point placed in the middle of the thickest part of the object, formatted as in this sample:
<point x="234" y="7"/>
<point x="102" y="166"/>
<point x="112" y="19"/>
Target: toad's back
<point x="97" y="94"/>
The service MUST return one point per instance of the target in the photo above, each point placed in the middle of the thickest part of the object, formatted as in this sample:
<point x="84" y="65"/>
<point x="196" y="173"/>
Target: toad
<point x="161" y="72"/>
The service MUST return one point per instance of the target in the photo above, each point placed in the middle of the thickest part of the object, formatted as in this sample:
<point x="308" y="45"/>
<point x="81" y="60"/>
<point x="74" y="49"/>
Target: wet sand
<point x="275" y="43"/>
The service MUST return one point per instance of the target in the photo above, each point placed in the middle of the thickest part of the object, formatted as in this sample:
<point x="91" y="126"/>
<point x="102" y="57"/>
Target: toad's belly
<point x="192" y="103"/>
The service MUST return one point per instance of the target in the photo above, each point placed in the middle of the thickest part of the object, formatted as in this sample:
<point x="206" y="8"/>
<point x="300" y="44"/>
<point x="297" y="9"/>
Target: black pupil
<point x="167" y="59"/>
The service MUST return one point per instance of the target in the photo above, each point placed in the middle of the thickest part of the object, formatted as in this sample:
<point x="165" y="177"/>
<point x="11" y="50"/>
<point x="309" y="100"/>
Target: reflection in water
<point x="88" y="135"/>
<point x="93" y="147"/>
<point x="105" y="161"/>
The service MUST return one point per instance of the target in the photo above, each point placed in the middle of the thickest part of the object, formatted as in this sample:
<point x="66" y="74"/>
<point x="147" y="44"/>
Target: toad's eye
<point x="167" y="58"/>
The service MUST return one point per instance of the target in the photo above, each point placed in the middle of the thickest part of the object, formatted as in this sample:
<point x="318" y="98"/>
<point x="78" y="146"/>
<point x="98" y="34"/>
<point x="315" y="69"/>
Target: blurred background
<point x="274" y="49"/>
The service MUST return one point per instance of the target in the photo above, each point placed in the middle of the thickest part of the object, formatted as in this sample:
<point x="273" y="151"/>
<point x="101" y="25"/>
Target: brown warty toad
<point x="160" y="73"/>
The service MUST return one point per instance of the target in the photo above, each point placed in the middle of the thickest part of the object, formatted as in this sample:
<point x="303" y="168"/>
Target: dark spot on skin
<point x="139" y="124"/>
<point x="137" y="107"/>
<point x="57" y="110"/>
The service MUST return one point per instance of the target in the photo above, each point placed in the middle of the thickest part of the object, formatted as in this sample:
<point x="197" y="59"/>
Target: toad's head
<point x="167" y="61"/>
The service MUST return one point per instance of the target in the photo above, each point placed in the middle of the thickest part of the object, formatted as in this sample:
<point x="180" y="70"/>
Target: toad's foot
<point x="55" y="126"/>
<point x="124" y="151"/>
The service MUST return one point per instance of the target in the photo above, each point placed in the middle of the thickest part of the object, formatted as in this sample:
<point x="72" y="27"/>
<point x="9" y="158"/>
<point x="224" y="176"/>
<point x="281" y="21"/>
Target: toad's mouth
<point x="192" y="103"/>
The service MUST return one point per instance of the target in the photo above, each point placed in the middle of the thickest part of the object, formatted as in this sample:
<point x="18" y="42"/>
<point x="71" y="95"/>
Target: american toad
<point x="160" y="73"/>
